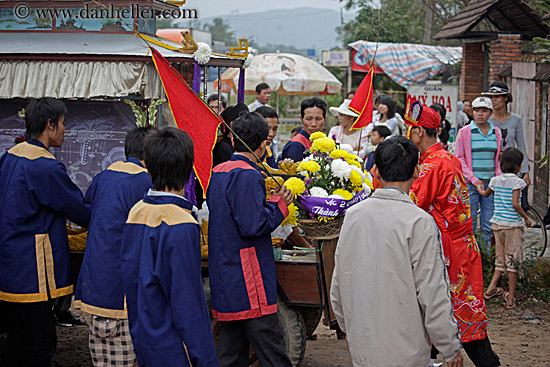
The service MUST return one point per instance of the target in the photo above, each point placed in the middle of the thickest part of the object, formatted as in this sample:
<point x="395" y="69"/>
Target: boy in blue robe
<point x="99" y="291"/>
<point x="36" y="195"/>
<point x="161" y="263"/>
<point x="243" y="281"/>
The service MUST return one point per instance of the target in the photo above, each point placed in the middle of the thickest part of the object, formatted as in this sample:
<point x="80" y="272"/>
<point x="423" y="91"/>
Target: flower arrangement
<point x="203" y="53"/>
<point x="332" y="181"/>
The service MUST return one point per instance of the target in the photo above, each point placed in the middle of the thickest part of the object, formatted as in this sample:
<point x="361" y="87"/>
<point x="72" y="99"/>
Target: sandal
<point x="507" y="304"/>
<point x="498" y="291"/>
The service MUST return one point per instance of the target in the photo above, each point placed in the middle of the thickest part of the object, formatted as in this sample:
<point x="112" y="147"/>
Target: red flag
<point x="192" y="115"/>
<point x="362" y="102"/>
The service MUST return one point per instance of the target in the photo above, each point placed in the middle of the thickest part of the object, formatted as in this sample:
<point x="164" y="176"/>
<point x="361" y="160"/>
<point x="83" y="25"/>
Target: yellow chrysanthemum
<point x="356" y="179"/>
<point x="339" y="153"/>
<point x="310" y="166"/>
<point x="343" y="193"/>
<point x="292" y="217"/>
<point x="323" y="145"/>
<point x="369" y="183"/>
<point x="358" y="189"/>
<point x="353" y="162"/>
<point x="295" y="185"/>
<point x="317" y="135"/>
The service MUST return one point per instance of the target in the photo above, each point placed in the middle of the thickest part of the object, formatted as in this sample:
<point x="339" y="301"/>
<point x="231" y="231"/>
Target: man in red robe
<point x="441" y="191"/>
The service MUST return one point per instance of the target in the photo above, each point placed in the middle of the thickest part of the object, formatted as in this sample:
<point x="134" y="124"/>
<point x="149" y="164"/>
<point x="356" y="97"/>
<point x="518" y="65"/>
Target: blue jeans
<point x="487" y="207"/>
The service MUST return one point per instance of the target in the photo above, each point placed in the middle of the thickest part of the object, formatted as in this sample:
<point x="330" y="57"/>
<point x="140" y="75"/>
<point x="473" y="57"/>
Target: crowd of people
<point x="413" y="291"/>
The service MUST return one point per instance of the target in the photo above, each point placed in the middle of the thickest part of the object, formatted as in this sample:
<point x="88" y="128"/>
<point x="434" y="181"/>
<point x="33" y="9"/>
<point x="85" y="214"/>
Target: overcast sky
<point x="209" y="8"/>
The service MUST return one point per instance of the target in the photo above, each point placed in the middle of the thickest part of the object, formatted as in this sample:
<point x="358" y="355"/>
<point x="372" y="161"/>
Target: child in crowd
<point x="375" y="305"/>
<point x="99" y="290"/>
<point x="161" y="263"/>
<point x="378" y="134"/>
<point x="507" y="224"/>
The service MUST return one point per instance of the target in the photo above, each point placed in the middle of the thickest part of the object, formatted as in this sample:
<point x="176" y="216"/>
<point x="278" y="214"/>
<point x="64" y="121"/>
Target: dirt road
<point x="520" y="337"/>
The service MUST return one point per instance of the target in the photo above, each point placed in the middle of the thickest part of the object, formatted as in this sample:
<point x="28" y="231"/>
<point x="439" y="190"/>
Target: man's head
<point x="272" y="119"/>
<point x="295" y="131"/>
<point x="483" y="108"/>
<point x="213" y="103"/>
<point x="424" y="123"/>
<point x="313" y="112"/>
<point x="169" y="157"/>
<point x="133" y="143"/>
<point x="378" y="134"/>
<point x="396" y="160"/>
<point x="253" y="130"/>
<point x="233" y="112"/>
<point x="45" y="119"/>
<point x="263" y="93"/>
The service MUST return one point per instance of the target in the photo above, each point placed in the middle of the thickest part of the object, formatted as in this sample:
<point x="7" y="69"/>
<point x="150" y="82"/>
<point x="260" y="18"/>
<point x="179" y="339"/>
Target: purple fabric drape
<point x="190" y="188"/>
<point x="240" y="93"/>
<point x="197" y="79"/>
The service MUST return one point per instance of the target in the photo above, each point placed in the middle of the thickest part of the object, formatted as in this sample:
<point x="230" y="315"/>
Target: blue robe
<point x="112" y="194"/>
<point x="296" y="148"/>
<point x="161" y="272"/>
<point x="243" y="281"/>
<point x="36" y="195"/>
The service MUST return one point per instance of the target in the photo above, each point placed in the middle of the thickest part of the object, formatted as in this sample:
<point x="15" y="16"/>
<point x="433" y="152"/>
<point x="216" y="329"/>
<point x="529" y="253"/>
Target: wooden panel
<point x="300" y="282"/>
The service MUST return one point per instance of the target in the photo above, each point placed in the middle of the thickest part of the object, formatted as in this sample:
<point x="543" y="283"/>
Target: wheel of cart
<point x="290" y="321"/>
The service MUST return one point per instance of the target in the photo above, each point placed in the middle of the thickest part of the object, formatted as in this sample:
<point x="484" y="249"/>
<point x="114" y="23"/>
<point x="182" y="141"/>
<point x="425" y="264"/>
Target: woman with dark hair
<point x="509" y="123"/>
<point x="386" y="115"/>
<point x="443" y="131"/>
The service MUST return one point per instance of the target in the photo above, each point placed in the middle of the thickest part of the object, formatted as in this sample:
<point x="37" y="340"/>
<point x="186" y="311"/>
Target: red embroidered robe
<point x="441" y="191"/>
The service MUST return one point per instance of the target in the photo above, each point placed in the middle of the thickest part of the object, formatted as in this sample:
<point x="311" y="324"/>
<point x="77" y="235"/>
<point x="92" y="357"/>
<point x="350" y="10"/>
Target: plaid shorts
<point x="110" y="342"/>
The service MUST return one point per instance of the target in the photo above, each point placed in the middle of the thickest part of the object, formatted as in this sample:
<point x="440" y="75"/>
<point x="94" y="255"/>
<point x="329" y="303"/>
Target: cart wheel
<point x="290" y="321"/>
<point x="311" y="316"/>
<point x="294" y="331"/>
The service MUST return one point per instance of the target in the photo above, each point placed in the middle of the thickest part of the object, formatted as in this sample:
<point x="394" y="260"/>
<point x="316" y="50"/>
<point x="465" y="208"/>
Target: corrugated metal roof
<point x="542" y="76"/>
<point x="510" y="16"/>
<point x="90" y="43"/>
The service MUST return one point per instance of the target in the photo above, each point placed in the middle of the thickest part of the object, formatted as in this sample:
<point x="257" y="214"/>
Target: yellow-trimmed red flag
<point x="190" y="114"/>
<point x="361" y="102"/>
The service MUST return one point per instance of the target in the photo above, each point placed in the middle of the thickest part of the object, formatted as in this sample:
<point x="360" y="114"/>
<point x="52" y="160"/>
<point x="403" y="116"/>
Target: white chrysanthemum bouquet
<point x="333" y="180"/>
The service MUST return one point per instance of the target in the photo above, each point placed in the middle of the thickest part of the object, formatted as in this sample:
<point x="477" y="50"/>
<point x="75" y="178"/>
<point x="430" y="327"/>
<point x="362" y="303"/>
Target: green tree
<point x="413" y="21"/>
<point x="221" y="31"/>
<point x="543" y="7"/>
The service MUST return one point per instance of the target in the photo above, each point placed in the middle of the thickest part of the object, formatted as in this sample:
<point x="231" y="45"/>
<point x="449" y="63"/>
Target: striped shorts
<point x="110" y="342"/>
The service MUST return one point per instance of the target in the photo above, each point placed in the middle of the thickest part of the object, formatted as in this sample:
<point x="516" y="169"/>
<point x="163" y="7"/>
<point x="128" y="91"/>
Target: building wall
<point x="542" y="122"/>
<point x="473" y="59"/>
<point x="505" y="50"/>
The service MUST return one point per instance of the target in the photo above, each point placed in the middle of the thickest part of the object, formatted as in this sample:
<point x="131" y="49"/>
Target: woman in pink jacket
<point x="478" y="149"/>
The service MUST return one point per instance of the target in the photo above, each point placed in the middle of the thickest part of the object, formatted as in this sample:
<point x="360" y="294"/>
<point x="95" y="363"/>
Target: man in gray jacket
<point x="390" y="289"/>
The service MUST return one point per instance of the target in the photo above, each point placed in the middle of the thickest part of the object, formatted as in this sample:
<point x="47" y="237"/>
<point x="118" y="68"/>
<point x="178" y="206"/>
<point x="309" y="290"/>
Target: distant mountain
<point x="303" y="28"/>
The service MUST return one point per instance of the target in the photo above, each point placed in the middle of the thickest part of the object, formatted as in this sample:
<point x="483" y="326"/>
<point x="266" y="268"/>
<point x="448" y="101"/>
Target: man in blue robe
<point x="36" y="196"/>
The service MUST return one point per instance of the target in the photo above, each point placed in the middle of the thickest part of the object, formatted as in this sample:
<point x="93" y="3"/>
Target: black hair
<point x="313" y="102"/>
<point x="390" y="102"/>
<point x="252" y="128"/>
<point x="440" y="109"/>
<point x="133" y="143"/>
<point x="466" y="100"/>
<point x="39" y="111"/>
<point x="396" y="159"/>
<point x="267" y="112"/>
<point x="296" y="130"/>
<point x="214" y="97"/>
<point x="511" y="160"/>
<point x="501" y="84"/>
<point x="350" y="92"/>
<point x="260" y="87"/>
<point x="379" y="97"/>
<point x="169" y="157"/>
<point x="382" y="130"/>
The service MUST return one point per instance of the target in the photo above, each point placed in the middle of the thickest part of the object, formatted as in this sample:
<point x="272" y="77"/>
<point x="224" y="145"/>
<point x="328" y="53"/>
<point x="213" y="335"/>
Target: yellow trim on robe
<point x="56" y="293"/>
<point x="154" y="215"/>
<point x="23" y="298"/>
<point x="40" y="262"/>
<point x="102" y="312"/>
<point x="187" y="353"/>
<point x="126" y="167"/>
<point x="48" y="256"/>
<point x="30" y="151"/>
